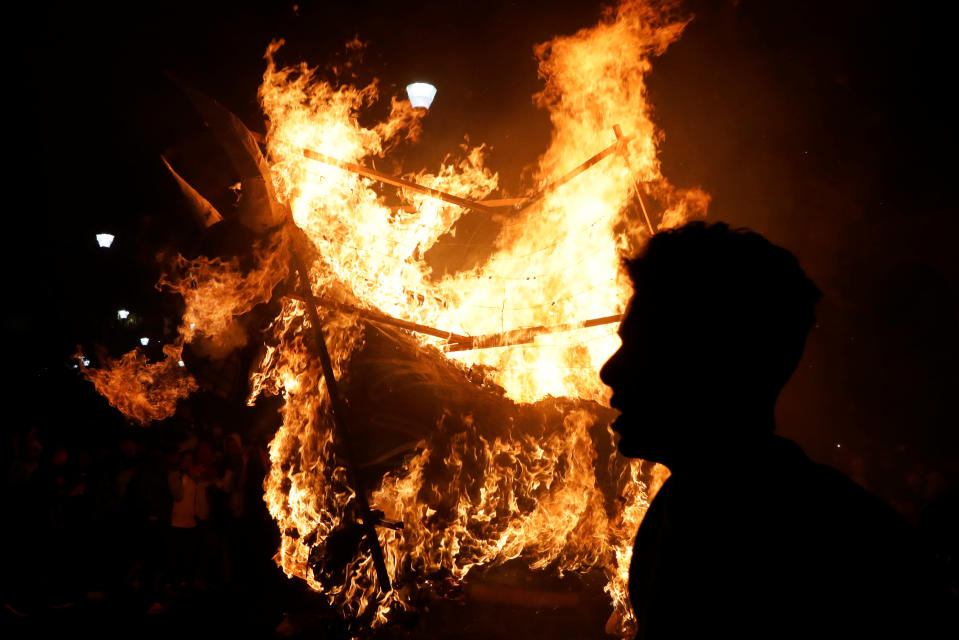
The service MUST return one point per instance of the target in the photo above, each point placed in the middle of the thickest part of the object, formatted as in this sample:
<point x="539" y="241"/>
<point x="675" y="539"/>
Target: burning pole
<point x="368" y="520"/>
<point x="396" y="181"/>
<point x="382" y="318"/>
<point x="262" y="212"/>
<point x="526" y="335"/>
<point x="621" y="141"/>
<point x="458" y="342"/>
<point x="490" y="206"/>
<point x="552" y="186"/>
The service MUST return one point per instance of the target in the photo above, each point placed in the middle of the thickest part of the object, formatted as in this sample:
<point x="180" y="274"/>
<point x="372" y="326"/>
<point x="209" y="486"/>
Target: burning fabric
<point x="436" y="423"/>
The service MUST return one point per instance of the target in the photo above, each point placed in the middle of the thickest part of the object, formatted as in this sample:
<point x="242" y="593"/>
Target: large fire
<point x="482" y="486"/>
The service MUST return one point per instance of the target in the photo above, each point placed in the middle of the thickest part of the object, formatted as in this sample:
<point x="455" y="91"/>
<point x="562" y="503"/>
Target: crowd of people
<point x="147" y="518"/>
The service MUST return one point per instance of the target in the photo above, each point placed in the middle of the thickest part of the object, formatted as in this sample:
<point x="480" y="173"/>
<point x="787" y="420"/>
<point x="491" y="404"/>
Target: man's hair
<point x="750" y="296"/>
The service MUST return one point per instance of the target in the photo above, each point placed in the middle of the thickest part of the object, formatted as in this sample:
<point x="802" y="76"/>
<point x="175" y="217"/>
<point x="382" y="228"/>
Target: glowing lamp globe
<point x="105" y="240"/>
<point x="421" y="94"/>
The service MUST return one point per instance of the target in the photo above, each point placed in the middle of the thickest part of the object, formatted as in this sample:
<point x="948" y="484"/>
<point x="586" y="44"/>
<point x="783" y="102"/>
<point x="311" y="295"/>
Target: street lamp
<point x="105" y="240"/>
<point x="421" y="94"/>
<point x="123" y="314"/>
<point x="144" y="341"/>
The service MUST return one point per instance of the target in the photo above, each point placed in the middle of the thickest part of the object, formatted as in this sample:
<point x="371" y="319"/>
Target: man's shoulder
<point x="824" y="489"/>
<point x="827" y="520"/>
<point x="789" y="535"/>
<point x="776" y="489"/>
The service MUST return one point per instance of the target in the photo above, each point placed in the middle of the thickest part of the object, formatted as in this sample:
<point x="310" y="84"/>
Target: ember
<point x="468" y="402"/>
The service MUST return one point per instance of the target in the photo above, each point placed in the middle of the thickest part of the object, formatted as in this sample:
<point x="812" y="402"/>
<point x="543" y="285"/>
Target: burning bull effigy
<point x="431" y="422"/>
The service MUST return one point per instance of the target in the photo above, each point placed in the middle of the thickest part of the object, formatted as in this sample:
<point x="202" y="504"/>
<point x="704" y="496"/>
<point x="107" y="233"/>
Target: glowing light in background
<point x="144" y="341"/>
<point x="421" y="94"/>
<point x="181" y="363"/>
<point x="123" y="314"/>
<point x="105" y="240"/>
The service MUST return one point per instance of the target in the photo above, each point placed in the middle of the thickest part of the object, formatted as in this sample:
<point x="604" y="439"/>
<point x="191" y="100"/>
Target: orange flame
<point x="465" y="499"/>
<point x="143" y="391"/>
<point x="472" y="493"/>
<point x="216" y="293"/>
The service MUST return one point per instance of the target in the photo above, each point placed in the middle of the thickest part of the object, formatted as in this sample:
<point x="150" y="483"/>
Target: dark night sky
<point x="824" y="125"/>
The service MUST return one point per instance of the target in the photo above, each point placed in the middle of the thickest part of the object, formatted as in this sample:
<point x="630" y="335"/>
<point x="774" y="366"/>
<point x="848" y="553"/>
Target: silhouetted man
<point x="748" y="537"/>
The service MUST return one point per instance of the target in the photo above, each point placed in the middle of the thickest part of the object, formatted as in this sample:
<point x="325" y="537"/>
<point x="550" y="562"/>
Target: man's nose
<point x="608" y="373"/>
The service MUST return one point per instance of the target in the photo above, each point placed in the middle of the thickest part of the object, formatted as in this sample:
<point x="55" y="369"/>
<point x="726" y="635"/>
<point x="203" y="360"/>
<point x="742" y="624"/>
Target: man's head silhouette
<point x="715" y="328"/>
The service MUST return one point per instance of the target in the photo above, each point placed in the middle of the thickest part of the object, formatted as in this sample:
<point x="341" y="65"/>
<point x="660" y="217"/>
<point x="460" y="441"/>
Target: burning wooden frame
<point x="263" y="214"/>
<point x="242" y="147"/>
<point x="455" y="342"/>
<point x="491" y="470"/>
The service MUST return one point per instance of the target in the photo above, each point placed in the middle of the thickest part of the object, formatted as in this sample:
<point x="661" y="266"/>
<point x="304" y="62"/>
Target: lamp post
<point x="421" y="94"/>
